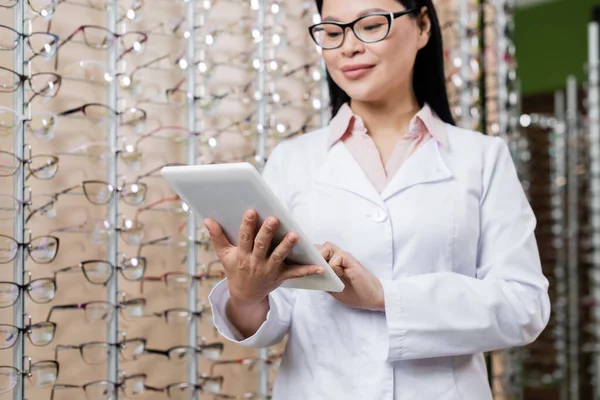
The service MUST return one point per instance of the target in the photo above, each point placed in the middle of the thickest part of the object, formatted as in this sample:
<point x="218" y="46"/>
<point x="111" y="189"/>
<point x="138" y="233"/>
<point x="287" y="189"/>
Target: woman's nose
<point x="352" y="45"/>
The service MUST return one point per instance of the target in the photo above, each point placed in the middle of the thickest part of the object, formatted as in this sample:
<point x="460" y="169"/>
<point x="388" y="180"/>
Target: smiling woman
<point x="426" y="224"/>
<point x="405" y="45"/>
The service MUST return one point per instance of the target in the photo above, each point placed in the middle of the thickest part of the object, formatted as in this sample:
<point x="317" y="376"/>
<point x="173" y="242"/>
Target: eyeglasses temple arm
<point x="164" y="353"/>
<point x="62" y="386"/>
<point x="63" y="347"/>
<point x="154" y="389"/>
<point x="63" y="307"/>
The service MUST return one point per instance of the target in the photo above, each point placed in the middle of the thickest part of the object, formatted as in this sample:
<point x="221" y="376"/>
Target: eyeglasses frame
<point x="391" y="16"/>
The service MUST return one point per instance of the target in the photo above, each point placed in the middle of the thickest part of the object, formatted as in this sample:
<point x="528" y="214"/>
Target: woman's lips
<point x="357" y="72"/>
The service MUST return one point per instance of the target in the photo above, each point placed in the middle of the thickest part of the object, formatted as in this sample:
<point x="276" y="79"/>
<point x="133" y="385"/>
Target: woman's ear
<point x="424" y="25"/>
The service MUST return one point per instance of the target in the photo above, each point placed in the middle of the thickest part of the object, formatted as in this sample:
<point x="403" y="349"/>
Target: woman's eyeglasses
<point x="369" y="28"/>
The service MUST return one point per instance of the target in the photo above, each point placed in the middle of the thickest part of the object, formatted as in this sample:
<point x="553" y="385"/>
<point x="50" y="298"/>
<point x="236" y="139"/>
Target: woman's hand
<point x="363" y="290"/>
<point x="251" y="270"/>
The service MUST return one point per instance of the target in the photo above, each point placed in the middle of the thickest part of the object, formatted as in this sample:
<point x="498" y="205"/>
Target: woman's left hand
<point x="362" y="289"/>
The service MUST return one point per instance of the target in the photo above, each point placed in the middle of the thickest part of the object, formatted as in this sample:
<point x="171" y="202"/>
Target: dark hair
<point x="429" y="80"/>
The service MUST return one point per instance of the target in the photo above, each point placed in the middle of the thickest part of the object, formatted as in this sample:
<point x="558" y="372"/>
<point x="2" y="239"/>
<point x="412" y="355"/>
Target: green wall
<point x="551" y="42"/>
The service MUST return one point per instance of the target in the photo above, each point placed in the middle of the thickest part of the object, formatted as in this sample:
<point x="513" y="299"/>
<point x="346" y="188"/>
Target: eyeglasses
<point x="99" y="112"/>
<point x="131" y="386"/>
<point x="103" y="310"/>
<point x="44" y="84"/>
<point x="369" y="28"/>
<point x="98" y="230"/>
<point x="211" y="351"/>
<point x="41" y="374"/>
<point x="41" y="125"/>
<point x="46" y="8"/>
<point x="9" y="119"/>
<point x="179" y="280"/>
<point x="99" y="272"/>
<point x="182" y="391"/>
<point x="41" y="167"/>
<point x="96" y="192"/>
<point x="173" y="243"/>
<point x="40" y="43"/>
<point x="179" y="315"/>
<point x="101" y="193"/>
<point x="98" y="37"/>
<point x="132" y="153"/>
<point x="40" y="291"/>
<point x="40" y="334"/>
<point x="273" y="361"/>
<point x="96" y="353"/>
<point x="41" y="249"/>
<point x="9" y="207"/>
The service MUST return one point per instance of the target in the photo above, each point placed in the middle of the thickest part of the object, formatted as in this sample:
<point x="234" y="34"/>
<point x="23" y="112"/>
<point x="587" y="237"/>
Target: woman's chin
<point x="366" y="94"/>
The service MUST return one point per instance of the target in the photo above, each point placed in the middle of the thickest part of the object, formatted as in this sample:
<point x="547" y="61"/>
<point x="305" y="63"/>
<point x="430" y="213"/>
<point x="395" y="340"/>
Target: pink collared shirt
<point x="349" y="128"/>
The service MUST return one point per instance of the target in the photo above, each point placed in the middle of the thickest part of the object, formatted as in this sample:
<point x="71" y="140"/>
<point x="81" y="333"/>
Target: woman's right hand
<point x="252" y="272"/>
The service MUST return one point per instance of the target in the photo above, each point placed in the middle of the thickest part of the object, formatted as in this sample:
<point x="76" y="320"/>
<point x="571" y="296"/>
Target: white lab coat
<point x="452" y="240"/>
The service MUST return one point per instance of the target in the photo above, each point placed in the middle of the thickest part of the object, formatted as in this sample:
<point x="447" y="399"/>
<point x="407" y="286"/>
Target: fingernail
<point x="270" y="222"/>
<point x="320" y="271"/>
<point x="250" y="214"/>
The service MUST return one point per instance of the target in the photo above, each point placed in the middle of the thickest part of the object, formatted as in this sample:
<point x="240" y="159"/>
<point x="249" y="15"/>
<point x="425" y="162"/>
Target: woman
<point x="426" y="224"/>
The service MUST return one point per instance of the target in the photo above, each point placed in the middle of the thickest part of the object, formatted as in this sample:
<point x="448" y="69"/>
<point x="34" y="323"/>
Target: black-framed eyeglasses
<point x="41" y="249"/>
<point x="369" y="28"/>
<point x="96" y="353"/>
<point x="99" y="112"/>
<point x="103" y="310"/>
<point x="211" y="351"/>
<point x="40" y="291"/>
<point x="40" y="334"/>
<point x="99" y="272"/>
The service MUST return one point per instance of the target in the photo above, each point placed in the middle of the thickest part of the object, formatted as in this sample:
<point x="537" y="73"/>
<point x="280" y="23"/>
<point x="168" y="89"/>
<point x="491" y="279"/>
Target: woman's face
<point x="384" y="67"/>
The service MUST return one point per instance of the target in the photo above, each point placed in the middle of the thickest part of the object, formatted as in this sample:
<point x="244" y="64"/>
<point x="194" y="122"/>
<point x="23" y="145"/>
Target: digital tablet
<point x="223" y="192"/>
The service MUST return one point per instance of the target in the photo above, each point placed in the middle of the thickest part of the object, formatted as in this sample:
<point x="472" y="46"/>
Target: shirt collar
<point x="345" y="119"/>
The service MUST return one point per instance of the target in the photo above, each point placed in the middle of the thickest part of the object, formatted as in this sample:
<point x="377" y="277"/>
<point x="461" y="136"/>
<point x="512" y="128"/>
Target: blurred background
<point x="104" y="272"/>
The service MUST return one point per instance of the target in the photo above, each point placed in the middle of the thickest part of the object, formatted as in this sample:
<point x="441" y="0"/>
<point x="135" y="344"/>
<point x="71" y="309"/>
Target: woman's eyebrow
<point x="364" y="12"/>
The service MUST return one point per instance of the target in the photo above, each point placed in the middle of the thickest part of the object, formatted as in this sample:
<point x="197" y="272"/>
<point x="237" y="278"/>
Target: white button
<point x="379" y="215"/>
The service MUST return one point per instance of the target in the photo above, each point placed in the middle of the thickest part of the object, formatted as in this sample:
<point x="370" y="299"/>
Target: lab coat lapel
<point x="426" y="165"/>
<point x="340" y="169"/>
